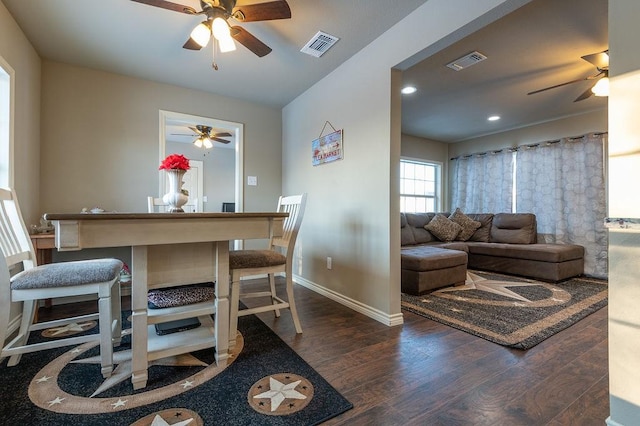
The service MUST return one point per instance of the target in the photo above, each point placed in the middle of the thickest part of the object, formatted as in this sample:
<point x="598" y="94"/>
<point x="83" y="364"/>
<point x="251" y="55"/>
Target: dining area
<point x="168" y="251"/>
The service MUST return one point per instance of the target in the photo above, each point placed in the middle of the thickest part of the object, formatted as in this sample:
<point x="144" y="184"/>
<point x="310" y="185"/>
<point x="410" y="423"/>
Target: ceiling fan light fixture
<point x="198" y="142"/>
<point x="227" y="45"/>
<point x="220" y="29"/>
<point x="202" y="33"/>
<point x="207" y="143"/>
<point x="601" y="88"/>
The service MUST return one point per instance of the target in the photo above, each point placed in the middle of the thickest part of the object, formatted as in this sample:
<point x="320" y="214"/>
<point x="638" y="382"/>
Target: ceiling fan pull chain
<point x="213" y="54"/>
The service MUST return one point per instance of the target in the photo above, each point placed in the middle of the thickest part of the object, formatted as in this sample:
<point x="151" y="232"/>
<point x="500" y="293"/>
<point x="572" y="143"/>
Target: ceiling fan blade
<point x="220" y="140"/>
<point x="182" y="134"/>
<point x="169" y="6"/>
<point x="195" y="130"/>
<point x="223" y="134"/>
<point x="262" y="11"/>
<point x="557" y="85"/>
<point x="191" y="45"/>
<point x="249" y="41"/>
<point x="600" y="60"/>
<point x="586" y="94"/>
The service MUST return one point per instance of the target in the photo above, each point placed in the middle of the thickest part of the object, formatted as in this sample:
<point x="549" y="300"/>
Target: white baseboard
<point x="376" y="314"/>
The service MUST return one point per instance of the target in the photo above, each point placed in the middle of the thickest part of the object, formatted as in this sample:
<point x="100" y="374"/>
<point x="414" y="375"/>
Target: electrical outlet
<point x="329" y="263"/>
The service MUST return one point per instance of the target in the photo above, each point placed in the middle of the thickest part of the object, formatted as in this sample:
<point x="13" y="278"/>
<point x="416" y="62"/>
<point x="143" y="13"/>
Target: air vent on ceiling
<point x="320" y="43"/>
<point x="466" y="61"/>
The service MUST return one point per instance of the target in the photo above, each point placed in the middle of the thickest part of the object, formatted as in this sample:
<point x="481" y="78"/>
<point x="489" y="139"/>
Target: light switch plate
<point x="252" y="180"/>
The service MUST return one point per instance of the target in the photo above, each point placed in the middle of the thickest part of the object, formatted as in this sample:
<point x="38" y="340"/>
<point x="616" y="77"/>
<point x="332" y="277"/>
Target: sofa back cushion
<point x="483" y="233"/>
<point x="513" y="228"/>
<point x="416" y="222"/>
<point x="406" y="233"/>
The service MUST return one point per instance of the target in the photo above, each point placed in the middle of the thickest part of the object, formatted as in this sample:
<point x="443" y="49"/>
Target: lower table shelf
<point x="181" y="342"/>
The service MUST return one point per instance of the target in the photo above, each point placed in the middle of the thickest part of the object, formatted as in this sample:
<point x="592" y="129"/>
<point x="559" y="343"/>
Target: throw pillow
<point x="469" y="226"/>
<point x="443" y="228"/>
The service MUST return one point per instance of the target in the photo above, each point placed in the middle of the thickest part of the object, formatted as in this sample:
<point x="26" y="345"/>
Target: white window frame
<point x="437" y="195"/>
<point x="7" y="108"/>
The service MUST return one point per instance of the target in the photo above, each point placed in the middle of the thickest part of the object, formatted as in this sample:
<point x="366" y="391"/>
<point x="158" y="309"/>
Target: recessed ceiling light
<point x="408" y="90"/>
<point x="494" y="118"/>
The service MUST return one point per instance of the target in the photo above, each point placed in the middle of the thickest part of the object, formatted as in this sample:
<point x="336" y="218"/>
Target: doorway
<point x="220" y="167"/>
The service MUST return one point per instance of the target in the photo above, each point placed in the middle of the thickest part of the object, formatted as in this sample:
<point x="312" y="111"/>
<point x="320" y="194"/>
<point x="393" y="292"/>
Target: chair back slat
<point x="294" y="205"/>
<point x="14" y="238"/>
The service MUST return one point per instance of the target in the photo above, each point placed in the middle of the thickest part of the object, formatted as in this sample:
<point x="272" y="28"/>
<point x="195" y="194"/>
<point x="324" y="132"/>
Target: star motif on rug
<point x="279" y="391"/>
<point x="159" y="421"/>
<point x="73" y="327"/>
<point x="476" y="282"/>
<point x="55" y="401"/>
<point x="119" y="403"/>
<point x="122" y="371"/>
<point x="43" y="379"/>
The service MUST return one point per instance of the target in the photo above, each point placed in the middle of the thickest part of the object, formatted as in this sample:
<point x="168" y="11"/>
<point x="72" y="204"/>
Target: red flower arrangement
<point x="175" y="161"/>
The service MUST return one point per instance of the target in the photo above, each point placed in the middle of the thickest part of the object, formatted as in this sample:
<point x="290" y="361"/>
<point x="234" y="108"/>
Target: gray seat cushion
<point x="66" y="274"/>
<point x="241" y="259"/>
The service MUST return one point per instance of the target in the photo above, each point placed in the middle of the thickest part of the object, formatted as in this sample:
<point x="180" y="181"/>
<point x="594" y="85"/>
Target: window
<point x="6" y="83"/>
<point x="420" y="186"/>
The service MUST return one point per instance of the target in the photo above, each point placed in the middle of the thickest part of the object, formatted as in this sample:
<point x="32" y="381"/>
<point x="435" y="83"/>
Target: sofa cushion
<point x="427" y="258"/>
<point x="483" y="233"/>
<point x="406" y="233"/>
<point x="554" y="253"/>
<point x="469" y="226"/>
<point x="513" y="228"/>
<point x="416" y="222"/>
<point x="443" y="228"/>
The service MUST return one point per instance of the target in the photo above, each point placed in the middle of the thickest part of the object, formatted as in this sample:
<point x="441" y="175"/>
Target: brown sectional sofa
<point x="504" y="242"/>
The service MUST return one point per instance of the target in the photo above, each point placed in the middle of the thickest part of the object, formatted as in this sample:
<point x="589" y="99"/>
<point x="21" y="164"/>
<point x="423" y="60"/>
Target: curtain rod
<point x="527" y="146"/>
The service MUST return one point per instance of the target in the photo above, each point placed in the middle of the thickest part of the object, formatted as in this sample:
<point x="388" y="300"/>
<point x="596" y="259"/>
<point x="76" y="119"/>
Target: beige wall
<point x="100" y="136"/>
<point x="21" y="56"/>
<point x="624" y="245"/>
<point x="353" y="211"/>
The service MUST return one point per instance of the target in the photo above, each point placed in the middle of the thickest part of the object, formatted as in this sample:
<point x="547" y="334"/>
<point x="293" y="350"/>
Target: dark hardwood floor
<point x="426" y="373"/>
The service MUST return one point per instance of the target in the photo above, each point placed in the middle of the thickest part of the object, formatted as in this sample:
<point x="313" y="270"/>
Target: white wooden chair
<point x="30" y="283"/>
<point x="155" y="205"/>
<point x="277" y="259"/>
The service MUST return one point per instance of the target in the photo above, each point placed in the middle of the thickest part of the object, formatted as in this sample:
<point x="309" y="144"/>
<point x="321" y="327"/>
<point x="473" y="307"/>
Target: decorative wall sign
<point x="328" y="148"/>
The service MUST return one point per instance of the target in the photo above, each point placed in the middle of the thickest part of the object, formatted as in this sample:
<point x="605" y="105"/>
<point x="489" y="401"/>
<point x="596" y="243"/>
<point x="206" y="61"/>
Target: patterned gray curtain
<point x="564" y="184"/>
<point x="483" y="183"/>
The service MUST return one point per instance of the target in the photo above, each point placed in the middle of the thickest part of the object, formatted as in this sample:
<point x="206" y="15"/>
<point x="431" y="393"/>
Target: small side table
<point x="44" y="244"/>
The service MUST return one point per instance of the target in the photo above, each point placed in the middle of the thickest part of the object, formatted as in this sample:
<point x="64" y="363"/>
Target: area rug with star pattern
<point x="264" y="383"/>
<point x="511" y="311"/>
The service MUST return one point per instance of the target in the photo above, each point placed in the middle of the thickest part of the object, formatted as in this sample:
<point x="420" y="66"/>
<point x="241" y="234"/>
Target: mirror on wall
<point x="215" y="177"/>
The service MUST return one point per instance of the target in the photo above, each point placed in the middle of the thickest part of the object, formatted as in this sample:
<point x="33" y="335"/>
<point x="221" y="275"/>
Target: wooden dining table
<point x="167" y="250"/>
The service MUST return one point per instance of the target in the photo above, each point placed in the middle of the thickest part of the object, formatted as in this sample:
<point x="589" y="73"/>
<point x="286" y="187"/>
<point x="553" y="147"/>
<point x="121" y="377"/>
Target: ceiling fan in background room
<point x="601" y="85"/>
<point x="216" y="24"/>
<point x="204" y="136"/>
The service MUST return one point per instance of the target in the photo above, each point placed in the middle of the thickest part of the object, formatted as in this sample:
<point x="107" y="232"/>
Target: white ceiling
<point x="538" y="45"/>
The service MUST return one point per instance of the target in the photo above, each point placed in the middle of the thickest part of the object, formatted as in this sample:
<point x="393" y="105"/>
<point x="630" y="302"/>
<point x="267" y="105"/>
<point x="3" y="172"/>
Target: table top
<point x="182" y="216"/>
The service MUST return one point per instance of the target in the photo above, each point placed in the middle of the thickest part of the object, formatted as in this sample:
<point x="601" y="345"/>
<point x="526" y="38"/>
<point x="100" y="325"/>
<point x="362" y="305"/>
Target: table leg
<point x="221" y="327"/>
<point x="139" y="362"/>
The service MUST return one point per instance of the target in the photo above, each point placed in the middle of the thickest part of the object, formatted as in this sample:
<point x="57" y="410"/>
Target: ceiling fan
<point x="600" y="87"/>
<point x="204" y="136"/>
<point x="217" y="13"/>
